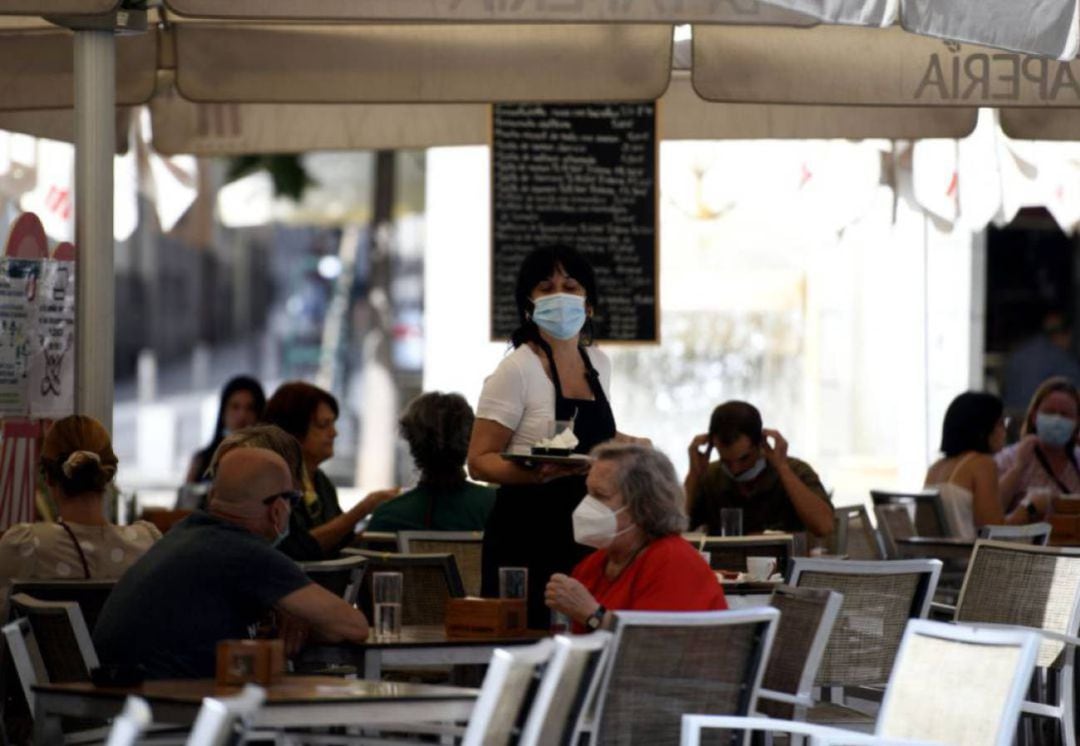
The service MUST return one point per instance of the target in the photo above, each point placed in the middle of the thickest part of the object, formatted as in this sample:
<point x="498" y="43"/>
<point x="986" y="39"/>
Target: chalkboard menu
<point x="583" y="175"/>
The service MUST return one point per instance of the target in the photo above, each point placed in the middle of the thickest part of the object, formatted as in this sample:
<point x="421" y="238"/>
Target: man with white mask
<point x="773" y="490"/>
<point x="633" y="516"/>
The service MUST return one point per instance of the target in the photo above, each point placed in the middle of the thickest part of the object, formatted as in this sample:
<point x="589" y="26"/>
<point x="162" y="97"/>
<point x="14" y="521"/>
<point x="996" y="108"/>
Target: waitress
<point x="552" y="374"/>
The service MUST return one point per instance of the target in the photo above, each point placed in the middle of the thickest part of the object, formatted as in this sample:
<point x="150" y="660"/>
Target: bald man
<point x="215" y="575"/>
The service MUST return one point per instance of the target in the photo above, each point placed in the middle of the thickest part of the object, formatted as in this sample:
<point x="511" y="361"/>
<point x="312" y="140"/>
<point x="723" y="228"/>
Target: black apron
<point x="530" y="525"/>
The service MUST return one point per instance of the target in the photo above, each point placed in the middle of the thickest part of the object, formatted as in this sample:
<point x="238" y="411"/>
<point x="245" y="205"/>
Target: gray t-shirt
<point x="206" y="580"/>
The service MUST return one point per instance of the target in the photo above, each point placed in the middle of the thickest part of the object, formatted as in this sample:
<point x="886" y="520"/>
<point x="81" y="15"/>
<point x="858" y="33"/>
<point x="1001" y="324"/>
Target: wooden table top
<point x="290" y="690"/>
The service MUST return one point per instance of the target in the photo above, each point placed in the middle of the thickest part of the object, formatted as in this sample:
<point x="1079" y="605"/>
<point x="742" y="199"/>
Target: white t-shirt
<point x="520" y="396"/>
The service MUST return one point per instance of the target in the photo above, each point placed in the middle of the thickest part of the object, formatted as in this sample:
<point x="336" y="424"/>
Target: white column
<point x="95" y="144"/>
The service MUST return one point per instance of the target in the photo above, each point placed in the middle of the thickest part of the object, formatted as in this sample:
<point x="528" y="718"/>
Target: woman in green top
<point x="437" y="427"/>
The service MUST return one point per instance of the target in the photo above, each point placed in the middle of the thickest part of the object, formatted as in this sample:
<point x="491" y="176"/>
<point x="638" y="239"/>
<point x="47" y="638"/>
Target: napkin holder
<point x="485" y="617"/>
<point x="250" y="661"/>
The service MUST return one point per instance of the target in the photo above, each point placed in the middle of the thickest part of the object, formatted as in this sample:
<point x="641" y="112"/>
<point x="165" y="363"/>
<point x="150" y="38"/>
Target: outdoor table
<point x="295" y="701"/>
<point x="750" y="593"/>
<point x="418" y="645"/>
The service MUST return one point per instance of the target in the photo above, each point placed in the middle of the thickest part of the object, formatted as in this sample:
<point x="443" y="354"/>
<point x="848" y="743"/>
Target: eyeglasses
<point x="293" y="496"/>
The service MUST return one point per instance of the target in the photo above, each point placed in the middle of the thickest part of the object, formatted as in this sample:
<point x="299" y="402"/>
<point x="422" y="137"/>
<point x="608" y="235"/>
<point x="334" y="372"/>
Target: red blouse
<point x="667" y="575"/>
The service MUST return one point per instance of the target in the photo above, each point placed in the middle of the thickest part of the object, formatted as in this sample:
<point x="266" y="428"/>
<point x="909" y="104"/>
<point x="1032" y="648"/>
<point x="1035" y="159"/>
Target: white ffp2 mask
<point x="595" y="524"/>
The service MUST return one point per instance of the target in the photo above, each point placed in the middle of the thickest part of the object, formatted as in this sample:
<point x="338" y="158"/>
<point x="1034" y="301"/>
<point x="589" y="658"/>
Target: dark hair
<point x="538" y="265"/>
<point x="293" y="405"/>
<point x="234" y="386"/>
<point x="969" y="421"/>
<point x="437" y="427"/>
<point x="77" y="455"/>
<point x="1057" y="384"/>
<point x="733" y="419"/>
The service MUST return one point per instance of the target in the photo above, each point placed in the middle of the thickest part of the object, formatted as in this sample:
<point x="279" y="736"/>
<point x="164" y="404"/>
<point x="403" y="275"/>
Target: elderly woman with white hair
<point x="633" y="515"/>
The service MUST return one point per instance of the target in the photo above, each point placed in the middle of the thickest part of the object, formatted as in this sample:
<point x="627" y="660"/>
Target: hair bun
<point x="78" y="460"/>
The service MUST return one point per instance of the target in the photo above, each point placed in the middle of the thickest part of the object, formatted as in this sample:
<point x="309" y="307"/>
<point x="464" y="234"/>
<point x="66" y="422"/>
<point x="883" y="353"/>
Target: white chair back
<point x="131" y="723"/>
<point x="559" y="706"/>
<point x="218" y="719"/>
<point x="508" y="688"/>
<point x="23" y="649"/>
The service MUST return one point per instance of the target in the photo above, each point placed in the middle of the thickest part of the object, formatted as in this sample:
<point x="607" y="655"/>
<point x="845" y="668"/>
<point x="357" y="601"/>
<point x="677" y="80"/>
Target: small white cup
<point x="760" y="568"/>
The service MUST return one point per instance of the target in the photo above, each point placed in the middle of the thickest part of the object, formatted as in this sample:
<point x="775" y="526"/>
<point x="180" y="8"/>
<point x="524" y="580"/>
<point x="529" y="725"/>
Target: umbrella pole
<point x="95" y="144"/>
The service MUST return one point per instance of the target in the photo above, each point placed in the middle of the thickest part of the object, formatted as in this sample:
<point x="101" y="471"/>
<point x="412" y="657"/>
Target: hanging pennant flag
<point x="18" y="471"/>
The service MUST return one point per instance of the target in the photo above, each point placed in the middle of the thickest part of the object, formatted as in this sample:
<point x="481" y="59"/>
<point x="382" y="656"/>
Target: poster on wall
<point x="17" y="280"/>
<point x="51" y="373"/>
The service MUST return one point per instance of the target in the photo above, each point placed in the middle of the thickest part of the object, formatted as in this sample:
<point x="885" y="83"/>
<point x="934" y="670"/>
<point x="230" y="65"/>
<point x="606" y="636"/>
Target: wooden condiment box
<point x="485" y="617"/>
<point x="250" y="661"/>
<point x="1064" y="527"/>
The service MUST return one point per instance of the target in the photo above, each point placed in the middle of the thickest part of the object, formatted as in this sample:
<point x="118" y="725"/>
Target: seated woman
<point x="78" y="463"/>
<point x="242" y="403"/>
<point x="308" y="414"/>
<point x="633" y="516"/>
<point x="1045" y="461"/>
<point x="966" y="474"/>
<point x="437" y="427"/>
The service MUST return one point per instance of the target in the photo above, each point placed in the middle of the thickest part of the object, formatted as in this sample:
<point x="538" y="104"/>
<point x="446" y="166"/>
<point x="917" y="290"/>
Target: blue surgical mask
<point x="561" y="315"/>
<point x="750" y="474"/>
<point x="1053" y="429"/>
<point x="282" y="535"/>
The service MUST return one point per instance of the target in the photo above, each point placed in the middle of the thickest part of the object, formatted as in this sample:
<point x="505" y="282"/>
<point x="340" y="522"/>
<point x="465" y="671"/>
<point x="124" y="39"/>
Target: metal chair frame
<point x="406" y="538"/>
<point x="90" y="595"/>
<point x="494" y="689"/>
<point x="1036" y="534"/>
<point x="781" y="546"/>
<point x="930" y="569"/>
<point x="354" y="565"/>
<point x="930" y="499"/>
<point x="842" y="522"/>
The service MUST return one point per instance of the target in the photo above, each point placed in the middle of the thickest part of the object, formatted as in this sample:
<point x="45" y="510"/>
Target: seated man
<point x="775" y="492"/>
<point x="215" y="575"/>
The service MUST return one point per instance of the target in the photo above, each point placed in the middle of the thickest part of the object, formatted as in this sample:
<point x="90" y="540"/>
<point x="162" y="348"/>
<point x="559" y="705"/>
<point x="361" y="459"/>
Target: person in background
<point x="216" y="575"/>
<point x="308" y="413"/>
<point x="1047" y="354"/>
<point x="78" y="464"/>
<point x="554" y="373"/>
<point x="966" y="475"/>
<point x="634" y="519"/>
<point x="242" y="404"/>
<point x="774" y="490"/>
<point x="437" y="427"/>
<point x="1046" y="460"/>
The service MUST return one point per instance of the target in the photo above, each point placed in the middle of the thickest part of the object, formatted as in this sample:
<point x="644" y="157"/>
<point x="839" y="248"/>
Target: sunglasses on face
<point x="293" y="496"/>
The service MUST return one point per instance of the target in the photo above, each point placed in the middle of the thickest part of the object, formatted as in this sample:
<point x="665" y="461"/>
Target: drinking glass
<point x="731" y="521"/>
<point x="513" y="582"/>
<point x="386" y="589"/>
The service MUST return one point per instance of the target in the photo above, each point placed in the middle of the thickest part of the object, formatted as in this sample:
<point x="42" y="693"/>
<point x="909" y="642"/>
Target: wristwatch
<point x="596" y="618"/>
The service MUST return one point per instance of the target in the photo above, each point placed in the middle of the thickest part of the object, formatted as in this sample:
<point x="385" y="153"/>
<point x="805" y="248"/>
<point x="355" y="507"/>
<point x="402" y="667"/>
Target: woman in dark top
<point x="552" y="374"/>
<point x="437" y="428"/>
<point x="308" y="413"/>
<point x="242" y="404"/>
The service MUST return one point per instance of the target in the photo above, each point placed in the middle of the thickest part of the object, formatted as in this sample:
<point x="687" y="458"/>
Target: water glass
<point x="731" y="521"/>
<point x="513" y="582"/>
<point x="386" y="590"/>
<point x="560" y="623"/>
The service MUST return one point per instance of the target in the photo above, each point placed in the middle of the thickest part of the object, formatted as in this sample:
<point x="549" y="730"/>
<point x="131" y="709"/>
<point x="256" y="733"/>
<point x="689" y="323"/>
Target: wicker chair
<point x="376" y="541"/>
<point x="730" y="552"/>
<point x="807" y="616"/>
<point x="894" y="524"/>
<point x="341" y="576"/>
<point x="665" y="663"/>
<point x="464" y="545"/>
<point x="928" y="510"/>
<point x="950" y="684"/>
<point x="506" y="695"/>
<point x="90" y="595"/>
<point x="855" y="537"/>
<point x="61" y="636"/>
<point x="557" y="714"/>
<point x="1036" y="534"/>
<point x="1035" y="588"/>
<point x="878" y="600"/>
<point x="428" y="581"/>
